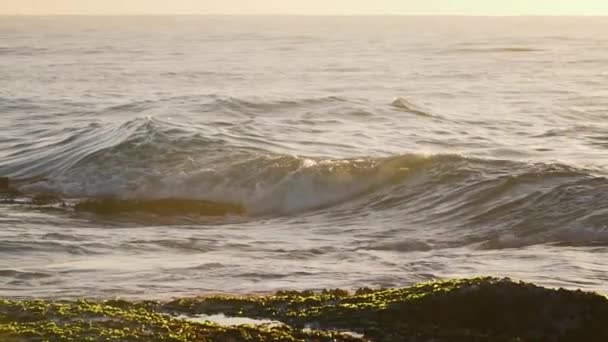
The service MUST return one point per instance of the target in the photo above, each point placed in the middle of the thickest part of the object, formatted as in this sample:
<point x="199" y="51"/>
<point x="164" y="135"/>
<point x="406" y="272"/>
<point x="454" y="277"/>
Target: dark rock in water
<point x="166" y="207"/>
<point x="4" y="184"/>
<point x="481" y="309"/>
<point x="7" y="194"/>
<point x="45" y="199"/>
<point x="7" y="190"/>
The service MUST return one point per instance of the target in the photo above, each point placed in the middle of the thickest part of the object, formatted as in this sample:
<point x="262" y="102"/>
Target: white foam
<point x="224" y="320"/>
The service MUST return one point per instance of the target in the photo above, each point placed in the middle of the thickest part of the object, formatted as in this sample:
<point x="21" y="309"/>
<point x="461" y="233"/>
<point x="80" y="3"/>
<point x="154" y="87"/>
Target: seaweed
<point x="477" y="309"/>
<point x="40" y="320"/>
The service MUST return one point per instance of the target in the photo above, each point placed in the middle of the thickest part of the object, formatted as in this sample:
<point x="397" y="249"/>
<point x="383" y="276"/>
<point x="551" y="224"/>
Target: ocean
<point x="163" y="156"/>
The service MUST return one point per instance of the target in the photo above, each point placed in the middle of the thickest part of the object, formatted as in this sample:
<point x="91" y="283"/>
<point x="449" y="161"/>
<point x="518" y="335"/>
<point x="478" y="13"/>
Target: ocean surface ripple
<point x="206" y="154"/>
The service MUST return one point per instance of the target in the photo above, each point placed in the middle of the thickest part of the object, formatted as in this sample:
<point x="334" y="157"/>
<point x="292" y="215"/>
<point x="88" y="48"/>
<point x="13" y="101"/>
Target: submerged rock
<point x="7" y="192"/>
<point x="480" y="309"/>
<point x="4" y="183"/>
<point x="166" y="207"/>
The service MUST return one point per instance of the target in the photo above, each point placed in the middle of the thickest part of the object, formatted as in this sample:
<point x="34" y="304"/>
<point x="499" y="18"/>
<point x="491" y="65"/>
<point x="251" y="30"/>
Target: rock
<point x="479" y="309"/>
<point x="163" y="207"/>
<point x="45" y="199"/>
<point x="4" y="184"/>
<point x="7" y="191"/>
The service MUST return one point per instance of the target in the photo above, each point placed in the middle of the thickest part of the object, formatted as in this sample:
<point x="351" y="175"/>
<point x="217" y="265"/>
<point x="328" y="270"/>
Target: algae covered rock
<point x="480" y="309"/>
<point x="39" y="320"/>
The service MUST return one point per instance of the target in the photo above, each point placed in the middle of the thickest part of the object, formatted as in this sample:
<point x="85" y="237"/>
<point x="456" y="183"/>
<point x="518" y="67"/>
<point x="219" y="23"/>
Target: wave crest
<point x="150" y="165"/>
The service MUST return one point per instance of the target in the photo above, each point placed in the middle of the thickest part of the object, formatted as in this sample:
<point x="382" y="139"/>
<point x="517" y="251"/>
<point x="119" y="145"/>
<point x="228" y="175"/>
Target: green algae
<point x="479" y="309"/>
<point x="484" y="309"/>
<point x="39" y="320"/>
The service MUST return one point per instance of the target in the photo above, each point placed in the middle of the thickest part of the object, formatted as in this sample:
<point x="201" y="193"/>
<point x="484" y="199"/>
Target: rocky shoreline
<point x="477" y="309"/>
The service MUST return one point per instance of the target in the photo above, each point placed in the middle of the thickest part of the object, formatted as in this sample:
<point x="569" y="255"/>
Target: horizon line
<point x="304" y="15"/>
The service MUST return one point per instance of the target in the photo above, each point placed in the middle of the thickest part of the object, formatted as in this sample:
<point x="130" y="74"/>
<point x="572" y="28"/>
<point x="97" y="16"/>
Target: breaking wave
<point x="149" y="165"/>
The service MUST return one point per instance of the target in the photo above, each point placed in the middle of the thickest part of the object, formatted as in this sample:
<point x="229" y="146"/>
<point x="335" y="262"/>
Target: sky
<point x="307" y="7"/>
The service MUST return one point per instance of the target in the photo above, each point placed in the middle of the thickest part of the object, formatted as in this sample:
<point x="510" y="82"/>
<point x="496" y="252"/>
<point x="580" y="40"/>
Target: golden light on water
<point x="307" y="7"/>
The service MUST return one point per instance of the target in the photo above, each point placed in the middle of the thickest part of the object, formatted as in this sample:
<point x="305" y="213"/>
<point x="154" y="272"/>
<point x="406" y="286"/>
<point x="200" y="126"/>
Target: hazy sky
<point x="491" y="7"/>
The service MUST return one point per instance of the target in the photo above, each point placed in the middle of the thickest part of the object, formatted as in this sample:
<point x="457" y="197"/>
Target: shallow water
<point x="249" y="154"/>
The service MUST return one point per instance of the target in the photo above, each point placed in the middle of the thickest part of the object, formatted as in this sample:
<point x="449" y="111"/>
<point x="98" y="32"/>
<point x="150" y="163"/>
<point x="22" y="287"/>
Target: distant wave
<point x="505" y="49"/>
<point x="407" y="106"/>
<point x="238" y="105"/>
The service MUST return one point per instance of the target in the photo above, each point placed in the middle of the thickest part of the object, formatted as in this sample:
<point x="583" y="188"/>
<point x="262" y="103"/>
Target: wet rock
<point x="4" y="184"/>
<point x="480" y="309"/>
<point x="7" y="191"/>
<point x="46" y="199"/>
<point x="7" y="195"/>
<point x="163" y="207"/>
<point x="121" y="321"/>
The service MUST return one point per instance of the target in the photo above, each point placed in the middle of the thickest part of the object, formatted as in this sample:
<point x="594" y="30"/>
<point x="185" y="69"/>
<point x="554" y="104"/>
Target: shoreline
<point x="475" y="309"/>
